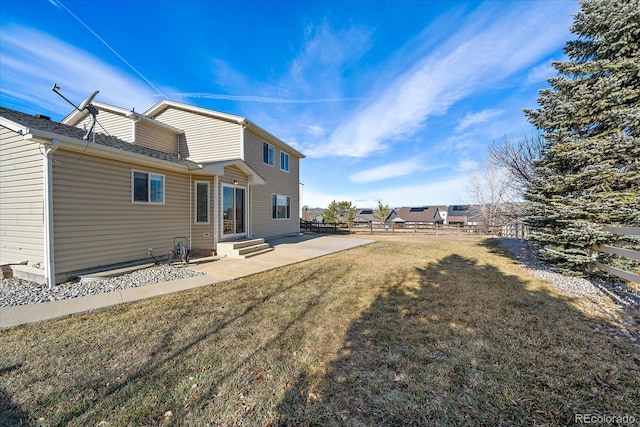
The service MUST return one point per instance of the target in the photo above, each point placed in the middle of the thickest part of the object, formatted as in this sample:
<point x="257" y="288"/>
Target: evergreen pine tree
<point x="589" y="172"/>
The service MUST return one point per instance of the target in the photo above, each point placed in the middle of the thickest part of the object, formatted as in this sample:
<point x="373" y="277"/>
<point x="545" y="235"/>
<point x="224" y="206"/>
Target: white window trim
<point x="284" y="153"/>
<point x="270" y="149"/>
<point x="149" y="174"/>
<point x="246" y="210"/>
<point x="195" y="211"/>
<point x="280" y="219"/>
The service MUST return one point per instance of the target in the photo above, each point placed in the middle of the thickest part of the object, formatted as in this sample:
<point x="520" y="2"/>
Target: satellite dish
<point x="87" y="101"/>
<point x="85" y="105"/>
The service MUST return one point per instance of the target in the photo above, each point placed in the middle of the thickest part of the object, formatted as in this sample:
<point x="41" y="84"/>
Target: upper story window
<point x="147" y="187"/>
<point x="284" y="161"/>
<point x="268" y="153"/>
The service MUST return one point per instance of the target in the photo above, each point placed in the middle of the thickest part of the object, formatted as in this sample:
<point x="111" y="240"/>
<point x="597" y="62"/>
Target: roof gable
<point x="165" y="104"/>
<point x="76" y="116"/>
<point x="419" y="214"/>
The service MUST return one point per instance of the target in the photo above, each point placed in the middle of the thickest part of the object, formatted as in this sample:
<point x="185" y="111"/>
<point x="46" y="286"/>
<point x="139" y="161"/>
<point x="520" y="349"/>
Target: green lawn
<point x="414" y="330"/>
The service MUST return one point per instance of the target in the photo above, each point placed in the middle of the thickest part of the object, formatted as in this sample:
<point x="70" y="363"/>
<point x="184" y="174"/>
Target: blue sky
<point x="389" y="100"/>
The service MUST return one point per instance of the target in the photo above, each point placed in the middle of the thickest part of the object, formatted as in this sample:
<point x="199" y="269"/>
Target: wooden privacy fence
<point x="626" y="253"/>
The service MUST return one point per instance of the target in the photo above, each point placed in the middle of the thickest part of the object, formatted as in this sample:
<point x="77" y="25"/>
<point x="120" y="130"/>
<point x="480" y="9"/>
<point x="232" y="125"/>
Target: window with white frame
<point x="284" y="161"/>
<point x="147" y="187"/>
<point x="268" y="153"/>
<point x="281" y="206"/>
<point x="202" y="202"/>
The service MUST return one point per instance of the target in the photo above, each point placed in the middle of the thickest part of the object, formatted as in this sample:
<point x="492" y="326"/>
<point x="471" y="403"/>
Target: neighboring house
<point x="444" y="213"/>
<point x="417" y="216"/>
<point x="68" y="204"/>
<point x="365" y="217"/>
<point x="312" y="214"/>
<point x="462" y="215"/>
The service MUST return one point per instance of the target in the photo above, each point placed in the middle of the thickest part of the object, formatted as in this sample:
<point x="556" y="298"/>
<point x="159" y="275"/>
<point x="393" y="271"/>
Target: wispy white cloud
<point x="540" y="73"/>
<point x="467" y="165"/>
<point x="32" y="61"/>
<point x="448" y="191"/>
<point x="488" y="49"/>
<point x="315" y="130"/>
<point x="391" y="170"/>
<point x="472" y="119"/>
<point x="324" y="55"/>
<point x="263" y="99"/>
<point x="58" y="4"/>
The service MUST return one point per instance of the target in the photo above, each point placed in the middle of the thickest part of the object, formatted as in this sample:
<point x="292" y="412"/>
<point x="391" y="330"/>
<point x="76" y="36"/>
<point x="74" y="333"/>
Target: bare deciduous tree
<point x="491" y="192"/>
<point x="517" y="159"/>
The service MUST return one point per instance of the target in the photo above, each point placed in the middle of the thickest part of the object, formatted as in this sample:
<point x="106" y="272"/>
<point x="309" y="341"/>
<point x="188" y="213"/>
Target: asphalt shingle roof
<point x="418" y="214"/>
<point x="47" y="125"/>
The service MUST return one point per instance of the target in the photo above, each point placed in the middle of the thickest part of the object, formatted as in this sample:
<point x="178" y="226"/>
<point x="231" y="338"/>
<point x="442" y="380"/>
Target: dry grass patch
<point x="407" y="331"/>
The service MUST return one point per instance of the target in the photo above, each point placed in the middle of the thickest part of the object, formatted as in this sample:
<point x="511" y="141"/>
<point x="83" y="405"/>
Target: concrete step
<point x="253" y="248"/>
<point x="256" y="253"/>
<point x="238" y="244"/>
<point x="243" y="248"/>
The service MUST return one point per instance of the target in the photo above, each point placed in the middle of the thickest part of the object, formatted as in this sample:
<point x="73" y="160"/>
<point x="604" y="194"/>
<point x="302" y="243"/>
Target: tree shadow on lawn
<point x="10" y="413"/>
<point x="612" y="290"/>
<point x="459" y="342"/>
<point x="184" y="369"/>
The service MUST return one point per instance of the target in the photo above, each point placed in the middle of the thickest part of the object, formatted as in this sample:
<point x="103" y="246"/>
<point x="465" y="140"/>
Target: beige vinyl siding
<point x="156" y="137"/>
<point x="208" y="139"/>
<point x="95" y="221"/>
<point x="278" y="182"/>
<point x="116" y="125"/>
<point x="198" y="231"/>
<point x="21" y="200"/>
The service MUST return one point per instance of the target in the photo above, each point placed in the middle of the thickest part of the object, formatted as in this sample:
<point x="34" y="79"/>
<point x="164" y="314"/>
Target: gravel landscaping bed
<point x="16" y="291"/>
<point x="596" y="291"/>
<point x="526" y="255"/>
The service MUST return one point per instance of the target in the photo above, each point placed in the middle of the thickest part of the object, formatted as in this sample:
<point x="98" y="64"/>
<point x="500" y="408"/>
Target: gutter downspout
<point x="190" y="210"/>
<point x="216" y="210"/>
<point x="243" y="125"/>
<point x="49" y="246"/>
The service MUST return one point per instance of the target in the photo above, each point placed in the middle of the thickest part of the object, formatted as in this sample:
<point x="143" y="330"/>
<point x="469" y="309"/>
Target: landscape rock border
<point x="15" y="291"/>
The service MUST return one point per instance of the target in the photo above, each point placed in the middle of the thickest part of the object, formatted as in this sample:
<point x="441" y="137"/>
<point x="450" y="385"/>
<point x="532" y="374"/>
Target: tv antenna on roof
<point x="84" y="105"/>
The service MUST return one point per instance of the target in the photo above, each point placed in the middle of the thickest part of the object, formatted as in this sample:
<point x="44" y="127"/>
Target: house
<point x="417" y="216"/>
<point x="68" y="204"/>
<point x="462" y="215"/>
<point x="365" y="217"/>
<point x="312" y="214"/>
<point x="444" y="213"/>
